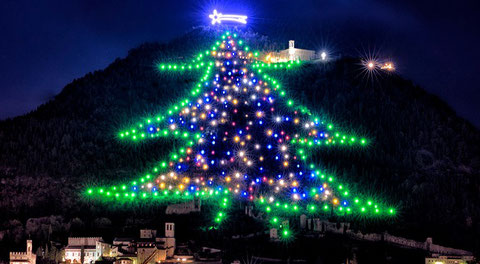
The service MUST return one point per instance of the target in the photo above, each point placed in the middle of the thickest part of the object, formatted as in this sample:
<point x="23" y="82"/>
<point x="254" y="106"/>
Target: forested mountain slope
<point x="423" y="157"/>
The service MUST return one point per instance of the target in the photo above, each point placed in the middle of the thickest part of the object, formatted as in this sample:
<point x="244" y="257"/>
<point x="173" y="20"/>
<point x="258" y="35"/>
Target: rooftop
<point x="80" y="247"/>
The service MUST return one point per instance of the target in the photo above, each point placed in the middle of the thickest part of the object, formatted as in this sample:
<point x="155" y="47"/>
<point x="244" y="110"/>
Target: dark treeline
<point x="422" y="158"/>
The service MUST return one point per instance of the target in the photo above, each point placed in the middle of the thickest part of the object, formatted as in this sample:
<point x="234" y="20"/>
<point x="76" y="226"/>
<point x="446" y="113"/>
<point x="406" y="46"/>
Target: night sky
<point x="44" y="45"/>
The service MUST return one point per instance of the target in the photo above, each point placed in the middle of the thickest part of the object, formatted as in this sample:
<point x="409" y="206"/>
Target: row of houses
<point x="151" y="246"/>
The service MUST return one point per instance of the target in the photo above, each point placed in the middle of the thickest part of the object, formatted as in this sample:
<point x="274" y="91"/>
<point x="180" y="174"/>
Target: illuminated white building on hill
<point x="26" y="257"/>
<point x="293" y="54"/>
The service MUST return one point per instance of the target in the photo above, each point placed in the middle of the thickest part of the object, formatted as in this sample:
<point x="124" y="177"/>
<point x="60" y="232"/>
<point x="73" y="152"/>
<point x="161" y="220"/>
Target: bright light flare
<point x="323" y="55"/>
<point x="371" y="65"/>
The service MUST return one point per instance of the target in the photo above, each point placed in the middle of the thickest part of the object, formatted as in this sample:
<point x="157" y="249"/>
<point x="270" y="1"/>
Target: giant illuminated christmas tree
<point x="243" y="139"/>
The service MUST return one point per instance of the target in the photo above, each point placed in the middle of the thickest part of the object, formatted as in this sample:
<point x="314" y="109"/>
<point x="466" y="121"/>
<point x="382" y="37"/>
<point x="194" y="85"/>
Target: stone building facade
<point x="82" y="250"/>
<point x="26" y="257"/>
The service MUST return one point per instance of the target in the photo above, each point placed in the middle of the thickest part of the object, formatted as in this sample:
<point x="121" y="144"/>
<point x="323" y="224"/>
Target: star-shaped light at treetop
<point x="219" y="17"/>
<point x="243" y="138"/>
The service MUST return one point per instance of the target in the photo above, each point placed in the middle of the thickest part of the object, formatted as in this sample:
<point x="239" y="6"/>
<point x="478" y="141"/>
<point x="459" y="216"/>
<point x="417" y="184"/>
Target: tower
<point x="169" y="230"/>
<point x="26" y="257"/>
<point x="291" y="50"/>
<point x="170" y="239"/>
<point x="29" y="247"/>
<point x="291" y="44"/>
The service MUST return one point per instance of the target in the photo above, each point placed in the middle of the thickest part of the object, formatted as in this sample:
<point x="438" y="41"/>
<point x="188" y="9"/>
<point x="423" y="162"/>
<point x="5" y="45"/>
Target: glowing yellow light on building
<point x="388" y="66"/>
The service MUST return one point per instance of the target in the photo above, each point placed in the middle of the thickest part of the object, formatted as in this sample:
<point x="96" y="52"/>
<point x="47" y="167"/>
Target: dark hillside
<point x="423" y="157"/>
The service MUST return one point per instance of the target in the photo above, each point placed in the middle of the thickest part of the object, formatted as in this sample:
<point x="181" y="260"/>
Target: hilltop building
<point x="26" y="257"/>
<point x="292" y="54"/>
